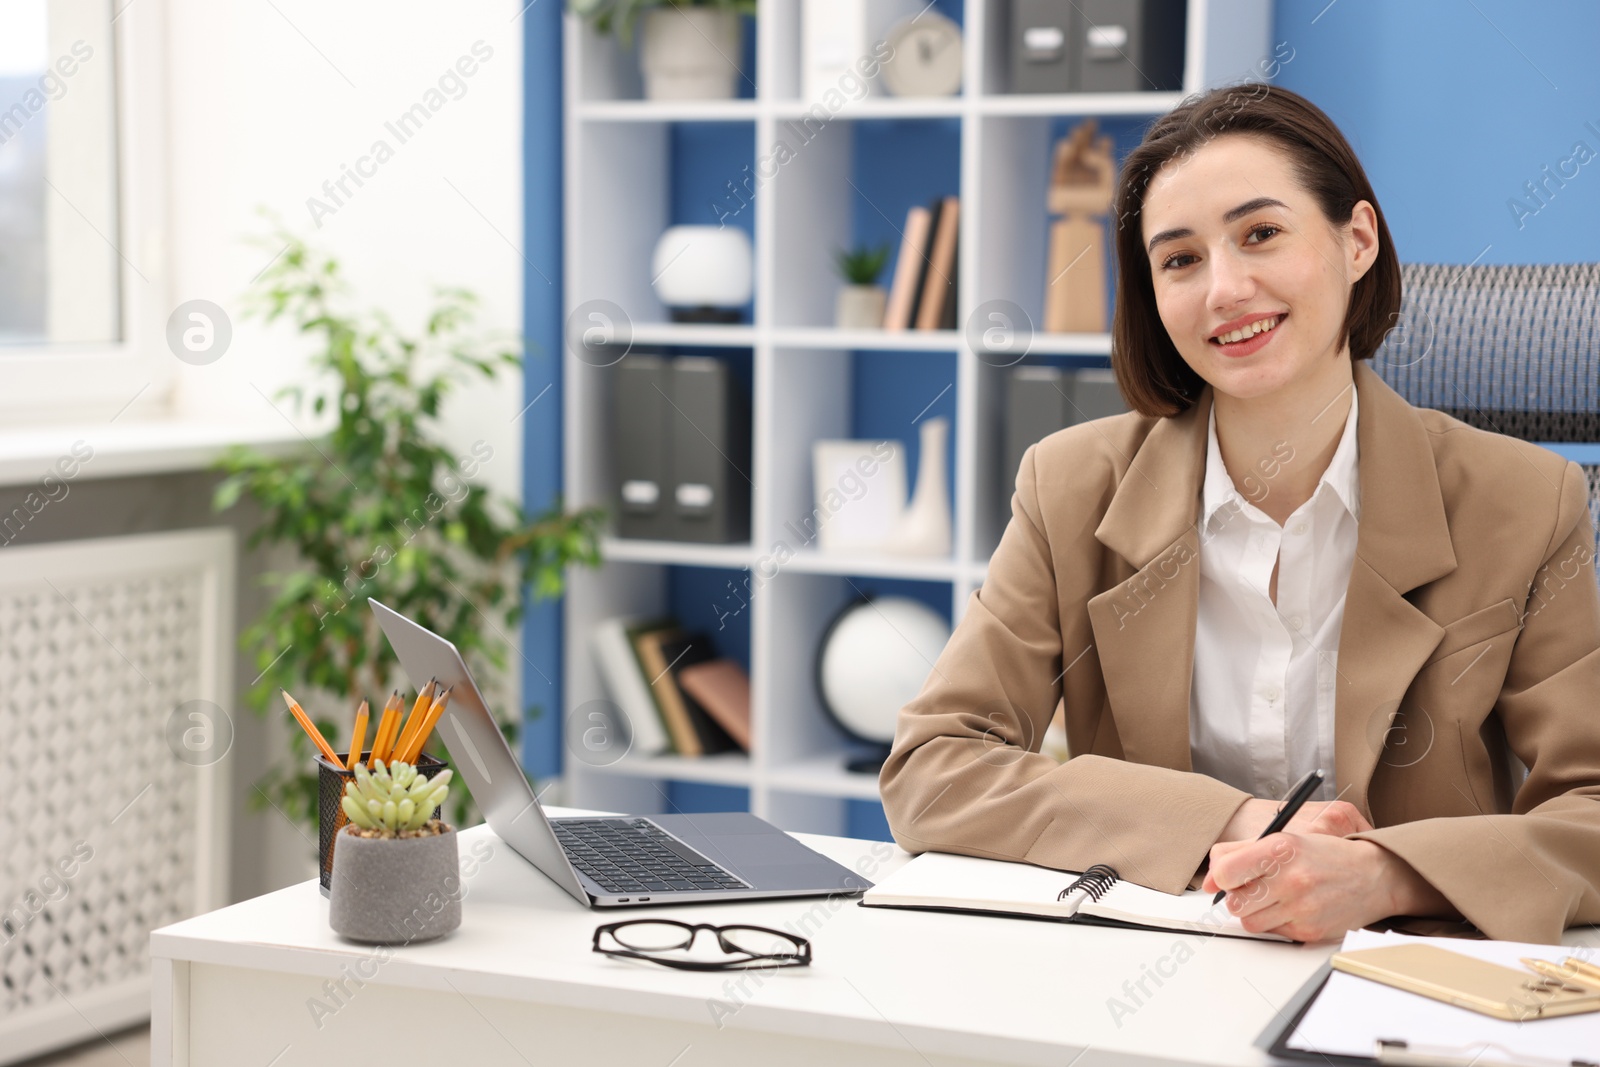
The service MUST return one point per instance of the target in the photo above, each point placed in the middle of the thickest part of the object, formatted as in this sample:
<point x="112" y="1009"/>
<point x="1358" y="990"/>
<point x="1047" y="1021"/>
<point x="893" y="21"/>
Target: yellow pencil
<point x="387" y="726"/>
<point x="358" y="738"/>
<point x="1582" y="967"/>
<point x="426" y="731"/>
<point x="311" y="729"/>
<point x="1563" y="974"/>
<point x="419" y="711"/>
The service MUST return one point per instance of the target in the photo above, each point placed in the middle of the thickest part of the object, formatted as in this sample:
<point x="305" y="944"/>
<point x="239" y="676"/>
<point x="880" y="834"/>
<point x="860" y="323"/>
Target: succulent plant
<point x="862" y="264"/>
<point x="393" y="798"/>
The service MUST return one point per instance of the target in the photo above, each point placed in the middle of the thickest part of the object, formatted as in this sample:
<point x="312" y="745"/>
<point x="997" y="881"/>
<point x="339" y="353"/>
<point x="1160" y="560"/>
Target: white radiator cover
<point x="110" y="833"/>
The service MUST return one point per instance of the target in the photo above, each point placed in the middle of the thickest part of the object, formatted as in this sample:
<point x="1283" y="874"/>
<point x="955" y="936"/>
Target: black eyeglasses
<point x="749" y="947"/>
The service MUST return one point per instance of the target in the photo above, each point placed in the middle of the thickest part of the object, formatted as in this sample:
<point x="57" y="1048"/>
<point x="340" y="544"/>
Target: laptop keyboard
<point x="635" y="856"/>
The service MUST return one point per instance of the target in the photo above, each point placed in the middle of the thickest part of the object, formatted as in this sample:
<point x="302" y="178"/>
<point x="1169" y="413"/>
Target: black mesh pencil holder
<point x="330" y="815"/>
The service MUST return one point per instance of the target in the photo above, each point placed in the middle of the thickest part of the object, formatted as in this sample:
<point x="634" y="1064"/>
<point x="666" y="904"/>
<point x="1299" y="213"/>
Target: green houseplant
<point x="862" y="301"/>
<point x="378" y="507"/>
<point x="688" y="49"/>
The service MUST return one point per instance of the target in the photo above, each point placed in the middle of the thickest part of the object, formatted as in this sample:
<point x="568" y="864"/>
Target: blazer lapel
<point x="1144" y="626"/>
<point x="1402" y="542"/>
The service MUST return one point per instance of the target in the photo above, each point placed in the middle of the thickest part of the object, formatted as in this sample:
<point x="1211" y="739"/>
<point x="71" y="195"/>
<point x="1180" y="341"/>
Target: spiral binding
<point x="1096" y="881"/>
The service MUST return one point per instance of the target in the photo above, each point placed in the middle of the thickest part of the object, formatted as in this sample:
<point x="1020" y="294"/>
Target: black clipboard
<point x="1275" y="1040"/>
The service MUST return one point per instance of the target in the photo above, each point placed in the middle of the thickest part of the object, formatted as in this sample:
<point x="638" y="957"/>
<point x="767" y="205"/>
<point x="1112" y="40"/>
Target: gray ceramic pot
<point x="395" y="891"/>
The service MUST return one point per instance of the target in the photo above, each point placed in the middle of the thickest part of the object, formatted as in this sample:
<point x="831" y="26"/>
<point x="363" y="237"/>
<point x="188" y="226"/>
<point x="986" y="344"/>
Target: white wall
<point x="269" y="101"/>
<point x="266" y="101"/>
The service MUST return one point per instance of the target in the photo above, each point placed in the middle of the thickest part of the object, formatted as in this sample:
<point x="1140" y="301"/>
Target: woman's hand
<point x="1337" y="818"/>
<point x="1313" y="887"/>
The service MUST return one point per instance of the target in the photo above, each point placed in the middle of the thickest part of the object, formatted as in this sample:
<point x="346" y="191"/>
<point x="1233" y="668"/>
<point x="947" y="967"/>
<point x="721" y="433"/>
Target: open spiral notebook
<point x="942" y="881"/>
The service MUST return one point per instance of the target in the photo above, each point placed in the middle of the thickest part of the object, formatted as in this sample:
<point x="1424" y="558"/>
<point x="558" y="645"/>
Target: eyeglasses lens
<point x="652" y="936"/>
<point x="759" y="942"/>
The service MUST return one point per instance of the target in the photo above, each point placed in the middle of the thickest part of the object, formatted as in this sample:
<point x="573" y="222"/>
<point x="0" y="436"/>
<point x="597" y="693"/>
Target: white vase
<point x="924" y="529"/>
<point x="860" y="307"/>
<point x="689" y="53"/>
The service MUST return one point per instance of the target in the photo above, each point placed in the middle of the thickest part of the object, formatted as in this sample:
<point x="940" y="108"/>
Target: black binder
<point x="640" y="436"/>
<point x="1107" y="46"/>
<point x="1041" y="400"/>
<point x="1128" y="46"/>
<point x="710" y="453"/>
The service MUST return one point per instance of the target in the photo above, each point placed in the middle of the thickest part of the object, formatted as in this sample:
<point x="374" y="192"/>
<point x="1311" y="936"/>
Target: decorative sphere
<point x="703" y="266"/>
<point x="874" y="659"/>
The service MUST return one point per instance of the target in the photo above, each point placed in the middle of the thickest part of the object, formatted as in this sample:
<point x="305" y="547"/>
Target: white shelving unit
<point x="617" y="204"/>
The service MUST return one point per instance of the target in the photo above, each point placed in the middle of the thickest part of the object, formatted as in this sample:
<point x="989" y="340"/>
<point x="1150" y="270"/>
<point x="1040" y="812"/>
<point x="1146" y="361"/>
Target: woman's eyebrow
<point x="1231" y="214"/>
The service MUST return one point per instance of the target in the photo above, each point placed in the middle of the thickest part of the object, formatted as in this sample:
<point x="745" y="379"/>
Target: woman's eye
<point x="1172" y="262"/>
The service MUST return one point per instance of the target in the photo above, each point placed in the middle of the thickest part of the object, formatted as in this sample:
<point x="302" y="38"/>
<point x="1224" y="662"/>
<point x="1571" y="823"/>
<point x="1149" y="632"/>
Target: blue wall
<point x="1452" y="107"/>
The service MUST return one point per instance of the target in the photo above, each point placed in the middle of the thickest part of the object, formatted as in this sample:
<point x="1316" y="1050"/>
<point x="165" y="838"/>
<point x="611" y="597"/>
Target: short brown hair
<point x="1153" y="377"/>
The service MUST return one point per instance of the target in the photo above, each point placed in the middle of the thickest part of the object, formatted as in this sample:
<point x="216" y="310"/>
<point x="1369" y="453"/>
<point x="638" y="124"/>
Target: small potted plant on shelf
<point x="862" y="301"/>
<point x="396" y="875"/>
<point x="688" y="49"/>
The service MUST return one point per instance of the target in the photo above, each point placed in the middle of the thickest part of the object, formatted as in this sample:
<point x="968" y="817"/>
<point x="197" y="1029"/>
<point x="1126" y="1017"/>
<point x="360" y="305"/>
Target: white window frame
<point x="79" y="382"/>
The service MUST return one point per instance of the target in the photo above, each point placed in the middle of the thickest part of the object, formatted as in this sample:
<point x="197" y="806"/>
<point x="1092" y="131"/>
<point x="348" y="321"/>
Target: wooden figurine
<point x="1080" y="193"/>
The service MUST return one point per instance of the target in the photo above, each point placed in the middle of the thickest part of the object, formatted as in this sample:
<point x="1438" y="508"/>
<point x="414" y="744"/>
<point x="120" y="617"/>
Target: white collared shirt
<point x="1261" y="703"/>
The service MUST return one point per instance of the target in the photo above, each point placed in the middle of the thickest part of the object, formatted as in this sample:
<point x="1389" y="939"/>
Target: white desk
<point x="518" y="984"/>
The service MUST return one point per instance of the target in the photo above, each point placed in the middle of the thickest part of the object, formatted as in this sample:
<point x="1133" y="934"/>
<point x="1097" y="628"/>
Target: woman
<point x="1272" y="564"/>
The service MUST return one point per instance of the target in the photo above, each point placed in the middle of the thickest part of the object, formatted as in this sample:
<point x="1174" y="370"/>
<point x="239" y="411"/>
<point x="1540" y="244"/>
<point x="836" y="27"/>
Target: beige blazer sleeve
<point x="965" y="774"/>
<point x="1527" y="874"/>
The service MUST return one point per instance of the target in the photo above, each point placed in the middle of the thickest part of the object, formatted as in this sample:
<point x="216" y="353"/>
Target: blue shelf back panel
<point x="689" y="797"/>
<point x="865" y="819"/>
<point x="900" y="164"/>
<point x="935" y="594"/>
<point x="714" y="600"/>
<point x="895" y="393"/>
<point x="748" y="71"/>
<point x="710" y="160"/>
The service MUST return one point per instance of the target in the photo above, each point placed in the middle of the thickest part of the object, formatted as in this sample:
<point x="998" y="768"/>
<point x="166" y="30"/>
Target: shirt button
<point x="1271" y="695"/>
<point x="1296" y="622"/>
<point x="1299" y="528"/>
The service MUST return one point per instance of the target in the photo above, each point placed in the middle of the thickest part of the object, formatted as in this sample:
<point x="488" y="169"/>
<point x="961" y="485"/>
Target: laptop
<point x="614" y="861"/>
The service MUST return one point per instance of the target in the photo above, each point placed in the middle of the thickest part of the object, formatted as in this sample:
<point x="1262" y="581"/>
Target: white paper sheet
<point x="1351" y="1014"/>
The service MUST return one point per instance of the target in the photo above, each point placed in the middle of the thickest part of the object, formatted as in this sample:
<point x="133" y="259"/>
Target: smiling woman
<point x="1289" y="177"/>
<point x="1273" y="564"/>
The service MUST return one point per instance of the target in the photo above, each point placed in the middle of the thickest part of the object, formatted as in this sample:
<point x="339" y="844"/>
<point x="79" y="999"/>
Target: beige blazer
<point x="1471" y="632"/>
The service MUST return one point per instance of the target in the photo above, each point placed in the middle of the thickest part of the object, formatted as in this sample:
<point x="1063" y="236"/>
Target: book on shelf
<point x="625" y="682"/>
<point x="680" y="652"/>
<point x="662" y="652"/>
<point x="721" y="687"/>
<point x="936" y="303"/>
<point x="908" y="268"/>
<point x="942" y="881"/>
<point x="919" y="282"/>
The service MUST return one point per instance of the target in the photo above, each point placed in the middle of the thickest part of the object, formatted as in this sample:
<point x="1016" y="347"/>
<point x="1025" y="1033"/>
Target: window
<point x="81" y="291"/>
<point x="59" y="276"/>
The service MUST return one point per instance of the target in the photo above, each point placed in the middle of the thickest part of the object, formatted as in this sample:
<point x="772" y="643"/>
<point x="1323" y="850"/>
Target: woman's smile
<point x="1250" y="339"/>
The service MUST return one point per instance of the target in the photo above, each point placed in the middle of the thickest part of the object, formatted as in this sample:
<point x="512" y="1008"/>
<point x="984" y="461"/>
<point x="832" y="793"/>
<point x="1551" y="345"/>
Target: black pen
<point x="1297" y="797"/>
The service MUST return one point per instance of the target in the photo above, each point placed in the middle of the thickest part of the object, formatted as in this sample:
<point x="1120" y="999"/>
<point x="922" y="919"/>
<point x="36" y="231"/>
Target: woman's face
<point x="1232" y="239"/>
